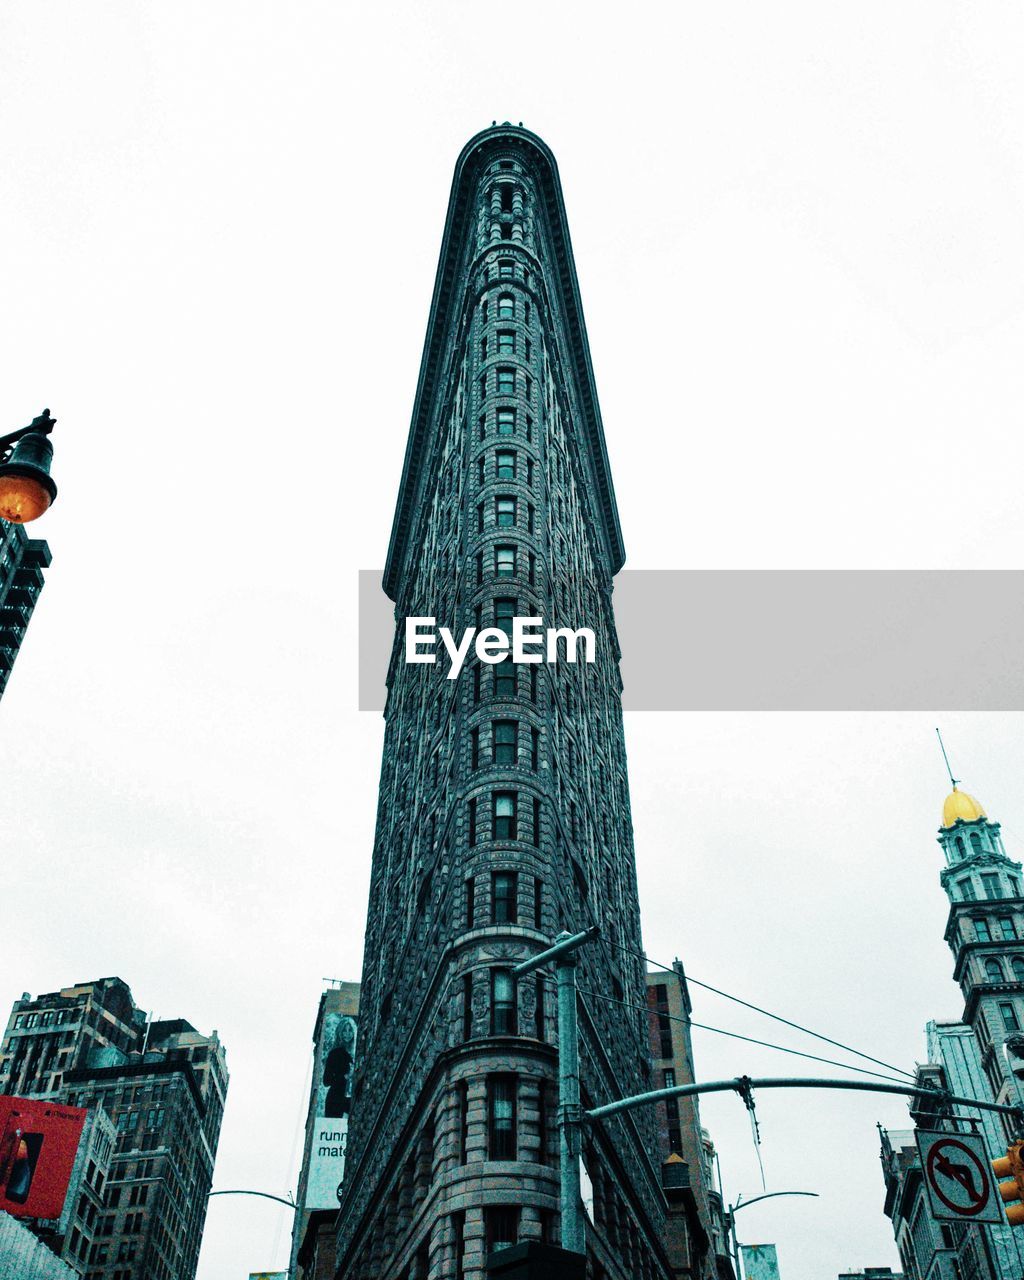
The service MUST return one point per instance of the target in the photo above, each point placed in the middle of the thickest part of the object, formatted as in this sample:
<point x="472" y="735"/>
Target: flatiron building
<point x="503" y="815"/>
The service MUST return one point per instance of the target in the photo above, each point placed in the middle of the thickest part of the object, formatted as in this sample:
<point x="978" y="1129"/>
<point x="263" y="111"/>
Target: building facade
<point x="323" y="1155"/>
<point x="698" y="1244"/>
<point x="975" y="1057"/>
<point x="160" y="1089"/>
<point x="22" y="561"/>
<point x="503" y="812"/>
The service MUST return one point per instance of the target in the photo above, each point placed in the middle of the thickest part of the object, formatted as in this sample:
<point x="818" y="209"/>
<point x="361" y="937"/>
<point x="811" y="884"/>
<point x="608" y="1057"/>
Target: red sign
<point x="38" y="1145"/>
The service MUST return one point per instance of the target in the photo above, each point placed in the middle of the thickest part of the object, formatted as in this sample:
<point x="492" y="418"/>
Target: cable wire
<point x="735" y="1035"/>
<point x="757" y="1009"/>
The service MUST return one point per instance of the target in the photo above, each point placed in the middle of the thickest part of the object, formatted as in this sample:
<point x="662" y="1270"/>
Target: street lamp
<point x="26" y="486"/>
<point x="733" y="1209"/>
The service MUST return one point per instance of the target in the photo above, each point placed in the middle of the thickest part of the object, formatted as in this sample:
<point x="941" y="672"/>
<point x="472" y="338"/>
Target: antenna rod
<point x="942" y="745"/>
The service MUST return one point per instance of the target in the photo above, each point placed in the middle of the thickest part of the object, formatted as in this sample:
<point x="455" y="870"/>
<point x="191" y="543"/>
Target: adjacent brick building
<point x="697" y="1239"/>
<point x="157" y="1091"/>
<point x="504" y="812"/>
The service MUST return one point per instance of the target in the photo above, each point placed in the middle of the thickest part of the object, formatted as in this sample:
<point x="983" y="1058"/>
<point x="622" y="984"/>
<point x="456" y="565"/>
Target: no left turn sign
<point x="958" y="1175"/>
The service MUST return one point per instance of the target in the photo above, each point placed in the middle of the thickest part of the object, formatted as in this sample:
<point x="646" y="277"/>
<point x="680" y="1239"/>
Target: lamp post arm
<point x="743" y="1204"/>
<point x="42" y="425"/>
<point x="265" y="1194"/>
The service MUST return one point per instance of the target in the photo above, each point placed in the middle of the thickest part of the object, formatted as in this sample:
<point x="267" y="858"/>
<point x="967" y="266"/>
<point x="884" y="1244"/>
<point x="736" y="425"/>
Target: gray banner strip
<point x="791" y="640"/>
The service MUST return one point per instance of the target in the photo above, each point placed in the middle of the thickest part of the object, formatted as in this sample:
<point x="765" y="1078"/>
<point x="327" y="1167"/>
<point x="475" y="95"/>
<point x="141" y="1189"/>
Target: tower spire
<point x="942" y="746"/>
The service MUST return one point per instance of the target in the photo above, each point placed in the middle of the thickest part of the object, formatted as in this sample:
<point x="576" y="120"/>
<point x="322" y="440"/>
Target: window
<point x="504" y="891"/>
<point x="472" y="822"/>
<point x="459" y="1234"/>
<point x="536" y="820"/>
<point x="981" y="931"/>
<point x="506" y="382"/>
<point x="506" y="733"/>
<point x="480" y="517"/>
<point x="534" y="749"/>
<point x="529" y="517"/>
<point x="501" y="1117"/>
<point x="501" y="1226"/>
<point x="474" y="751"/>
<point x="505" y="267"/>
<point x="479" y="567"/>
<point x="483" y="425"/>
<point x="668" y="1078"/>
<point x="506" y="342"/>
<point x="504" y="805"/>
<point x="504" y="678"/>
<point x="1009" y="1017"/>
<point x="467" y="1015"/>
<point x="1017" y="965"/>
<point x="483" y="348"/>
<point x="975" y="842"/>
<point x="505" y="466"/>
<point x="993" y="889"/>
<point x="503" y="1003"/>
<point x="993" y="971"/>
<point x="506" y="197"/>
<point x="505" y="561"/>
<point x="505" y="512"/>
<point x="538" y="900"/>
<point x="966" y="890"/>
<point x="483" y="306"/>
<point x="504" y="612"/>
<point x="506" y="419"/>
<point x="533" y="570"/>
<point x="470" y="901"/>
<point x="529" y="472"/>
<point x="506" y="307"/>
<point x="1006" y="928"/>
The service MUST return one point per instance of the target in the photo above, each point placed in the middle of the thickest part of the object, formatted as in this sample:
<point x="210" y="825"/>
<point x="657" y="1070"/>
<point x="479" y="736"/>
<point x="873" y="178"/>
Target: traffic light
<point x="1012" y="1190"/>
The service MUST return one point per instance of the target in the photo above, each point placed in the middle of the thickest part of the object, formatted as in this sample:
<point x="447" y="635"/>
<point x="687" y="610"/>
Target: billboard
<point x="332" y="1099"/>
<point x="326" y="1162"/>
<point x="38" y="1145"/>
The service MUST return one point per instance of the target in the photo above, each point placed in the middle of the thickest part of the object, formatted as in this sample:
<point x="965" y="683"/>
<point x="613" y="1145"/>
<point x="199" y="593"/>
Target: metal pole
<point x="570" y="1118"/>
<point x="735" y="1246"/>
<point x="570" y="1121"/>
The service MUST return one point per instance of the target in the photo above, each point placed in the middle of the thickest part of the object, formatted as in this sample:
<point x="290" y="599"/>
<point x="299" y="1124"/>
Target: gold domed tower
<point x="984" y="930"/>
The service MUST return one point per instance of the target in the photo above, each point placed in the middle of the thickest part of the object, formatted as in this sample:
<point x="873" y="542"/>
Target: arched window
<point x="993" y="971"/>
<point x="960" y="848"/>
<point x="975" y="842"/>
<point x="1017" y="965"/>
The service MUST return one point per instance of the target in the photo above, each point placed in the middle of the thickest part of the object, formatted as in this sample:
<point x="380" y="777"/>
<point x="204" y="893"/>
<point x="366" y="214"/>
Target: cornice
<point x="476" y="154"/>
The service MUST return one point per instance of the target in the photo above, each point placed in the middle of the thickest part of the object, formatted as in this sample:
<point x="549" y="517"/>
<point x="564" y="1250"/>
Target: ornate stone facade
<point x="504" y="809"/>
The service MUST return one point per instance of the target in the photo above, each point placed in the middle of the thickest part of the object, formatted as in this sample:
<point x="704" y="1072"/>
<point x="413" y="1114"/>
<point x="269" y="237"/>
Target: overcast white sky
<point x="797" y="229"/>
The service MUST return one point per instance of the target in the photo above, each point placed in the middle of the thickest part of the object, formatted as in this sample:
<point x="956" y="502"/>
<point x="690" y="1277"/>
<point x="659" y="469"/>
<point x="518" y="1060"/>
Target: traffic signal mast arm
<point x="744" y="1084"/>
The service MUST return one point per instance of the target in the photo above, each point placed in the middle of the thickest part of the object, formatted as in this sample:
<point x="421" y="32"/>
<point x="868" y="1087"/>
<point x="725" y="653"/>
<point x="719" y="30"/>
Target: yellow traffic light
<point x="1011" y="1168"/>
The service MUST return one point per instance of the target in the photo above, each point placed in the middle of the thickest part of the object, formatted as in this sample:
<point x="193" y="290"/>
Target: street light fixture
<point x="733" y="1209"/>
<point x="26" y="486"/>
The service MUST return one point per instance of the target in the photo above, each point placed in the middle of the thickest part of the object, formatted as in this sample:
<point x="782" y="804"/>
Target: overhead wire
<point x="817" y="1035"/>
<point x="734" y="1035"/>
